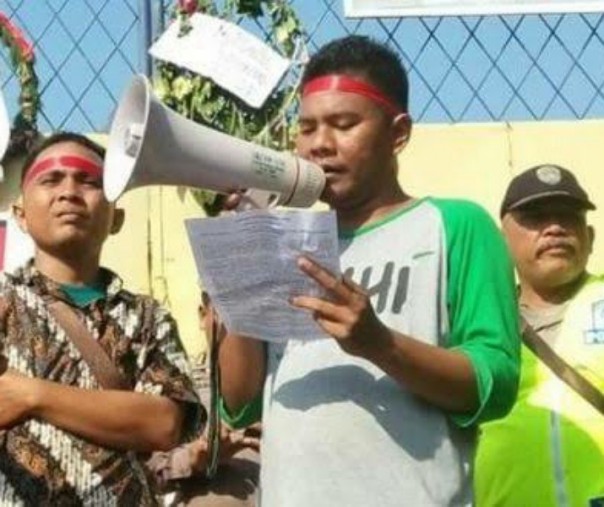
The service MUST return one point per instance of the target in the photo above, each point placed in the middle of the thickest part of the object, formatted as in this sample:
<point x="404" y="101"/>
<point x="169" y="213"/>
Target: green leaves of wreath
<point x="25" y="126"/>
<point x="201" y="100"/>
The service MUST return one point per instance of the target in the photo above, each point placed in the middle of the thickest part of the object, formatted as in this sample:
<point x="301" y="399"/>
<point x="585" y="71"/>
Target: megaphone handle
<point x="254" y="198"/>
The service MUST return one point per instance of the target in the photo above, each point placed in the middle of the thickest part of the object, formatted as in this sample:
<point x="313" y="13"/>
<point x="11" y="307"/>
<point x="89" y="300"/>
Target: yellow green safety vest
<point x="549" y="451"/>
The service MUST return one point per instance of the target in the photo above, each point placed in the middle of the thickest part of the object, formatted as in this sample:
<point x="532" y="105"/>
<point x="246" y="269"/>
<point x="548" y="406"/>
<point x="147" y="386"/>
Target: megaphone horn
<point x="149" y="144"/>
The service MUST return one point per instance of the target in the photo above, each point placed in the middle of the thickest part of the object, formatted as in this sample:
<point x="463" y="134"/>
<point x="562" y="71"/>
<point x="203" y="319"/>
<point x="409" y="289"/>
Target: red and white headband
<point x="342" y="83"/>
<point x="66" y="161"/>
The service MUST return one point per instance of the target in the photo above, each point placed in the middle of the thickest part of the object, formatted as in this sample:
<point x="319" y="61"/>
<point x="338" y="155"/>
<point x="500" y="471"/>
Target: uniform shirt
<point x="44" y="465"/>
<point x="549" y="451"/>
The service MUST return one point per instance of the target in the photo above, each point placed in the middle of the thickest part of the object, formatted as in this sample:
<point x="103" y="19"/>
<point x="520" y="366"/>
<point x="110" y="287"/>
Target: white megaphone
<point x="149" y="144"/>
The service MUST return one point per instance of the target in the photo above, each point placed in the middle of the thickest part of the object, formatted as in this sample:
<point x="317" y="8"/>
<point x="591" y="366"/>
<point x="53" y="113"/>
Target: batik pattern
<point x="44" y="465"/>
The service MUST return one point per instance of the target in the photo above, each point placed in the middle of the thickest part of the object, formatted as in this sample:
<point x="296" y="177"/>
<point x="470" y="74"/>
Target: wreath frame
<point x="200" y="99"/>
<point x="24" y="129"/>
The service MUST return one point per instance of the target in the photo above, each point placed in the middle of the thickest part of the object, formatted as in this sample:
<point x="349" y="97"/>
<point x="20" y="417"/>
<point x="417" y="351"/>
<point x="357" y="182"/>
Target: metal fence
<point x="86" y="50"/>
<point x="482" y="68"/>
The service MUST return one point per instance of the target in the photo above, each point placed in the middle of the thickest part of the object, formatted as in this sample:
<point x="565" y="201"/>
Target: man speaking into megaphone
<point x="424" y="343"/>
<point x="149" y="144"/>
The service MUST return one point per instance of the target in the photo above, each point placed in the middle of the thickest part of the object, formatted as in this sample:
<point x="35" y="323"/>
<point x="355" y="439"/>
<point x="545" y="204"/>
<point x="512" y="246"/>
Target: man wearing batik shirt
<point x="64" y="439"/>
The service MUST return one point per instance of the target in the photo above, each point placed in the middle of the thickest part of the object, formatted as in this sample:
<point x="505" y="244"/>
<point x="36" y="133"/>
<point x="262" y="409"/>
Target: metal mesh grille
<point x="461" y="68"/>
<point x="86" y="50"/>
<point x="489" y="67"/>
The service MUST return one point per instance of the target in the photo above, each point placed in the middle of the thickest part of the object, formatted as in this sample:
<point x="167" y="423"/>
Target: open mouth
<point x="331" y="170"/>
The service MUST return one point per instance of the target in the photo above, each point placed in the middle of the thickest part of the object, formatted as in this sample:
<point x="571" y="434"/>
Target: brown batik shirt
<point x="43" y="465"/>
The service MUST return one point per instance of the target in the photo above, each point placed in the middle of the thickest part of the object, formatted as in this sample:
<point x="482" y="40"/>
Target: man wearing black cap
<point x="544" y="220"/>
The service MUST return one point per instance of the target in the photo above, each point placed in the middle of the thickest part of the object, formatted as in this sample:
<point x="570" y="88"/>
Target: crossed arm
<point x="118" y="419"/>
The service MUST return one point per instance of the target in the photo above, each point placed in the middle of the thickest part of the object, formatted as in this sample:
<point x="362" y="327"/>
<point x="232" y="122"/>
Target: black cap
<point x="544" y="181"/>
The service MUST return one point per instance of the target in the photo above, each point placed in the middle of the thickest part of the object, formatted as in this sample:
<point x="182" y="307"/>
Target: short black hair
<point x="362" y="56"/>
<point x="57" y="138"/>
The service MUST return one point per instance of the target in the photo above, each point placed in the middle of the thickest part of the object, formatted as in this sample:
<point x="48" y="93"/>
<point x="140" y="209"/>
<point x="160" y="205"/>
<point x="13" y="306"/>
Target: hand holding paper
<point x="248" y="264"/>
<point x="346" y="315"/>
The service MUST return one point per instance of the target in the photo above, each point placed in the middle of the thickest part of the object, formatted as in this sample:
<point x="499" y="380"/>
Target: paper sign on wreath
<point x="206" y="37"/>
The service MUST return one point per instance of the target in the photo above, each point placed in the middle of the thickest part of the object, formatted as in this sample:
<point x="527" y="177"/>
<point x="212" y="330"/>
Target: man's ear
<point x="119" y="216"/>
<point x="401" y="129"/>
<point x="591" y="236"/>
<point x="19" y="214"/>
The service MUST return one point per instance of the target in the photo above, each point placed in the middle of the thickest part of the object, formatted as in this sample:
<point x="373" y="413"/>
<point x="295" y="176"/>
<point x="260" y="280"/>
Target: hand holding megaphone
<point x="149" y="144"/>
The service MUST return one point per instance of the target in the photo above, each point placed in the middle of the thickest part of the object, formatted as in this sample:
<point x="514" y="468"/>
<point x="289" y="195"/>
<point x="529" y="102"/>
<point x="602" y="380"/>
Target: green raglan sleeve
<point x="483" y="309"/>
<point x="248" y="414"/>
